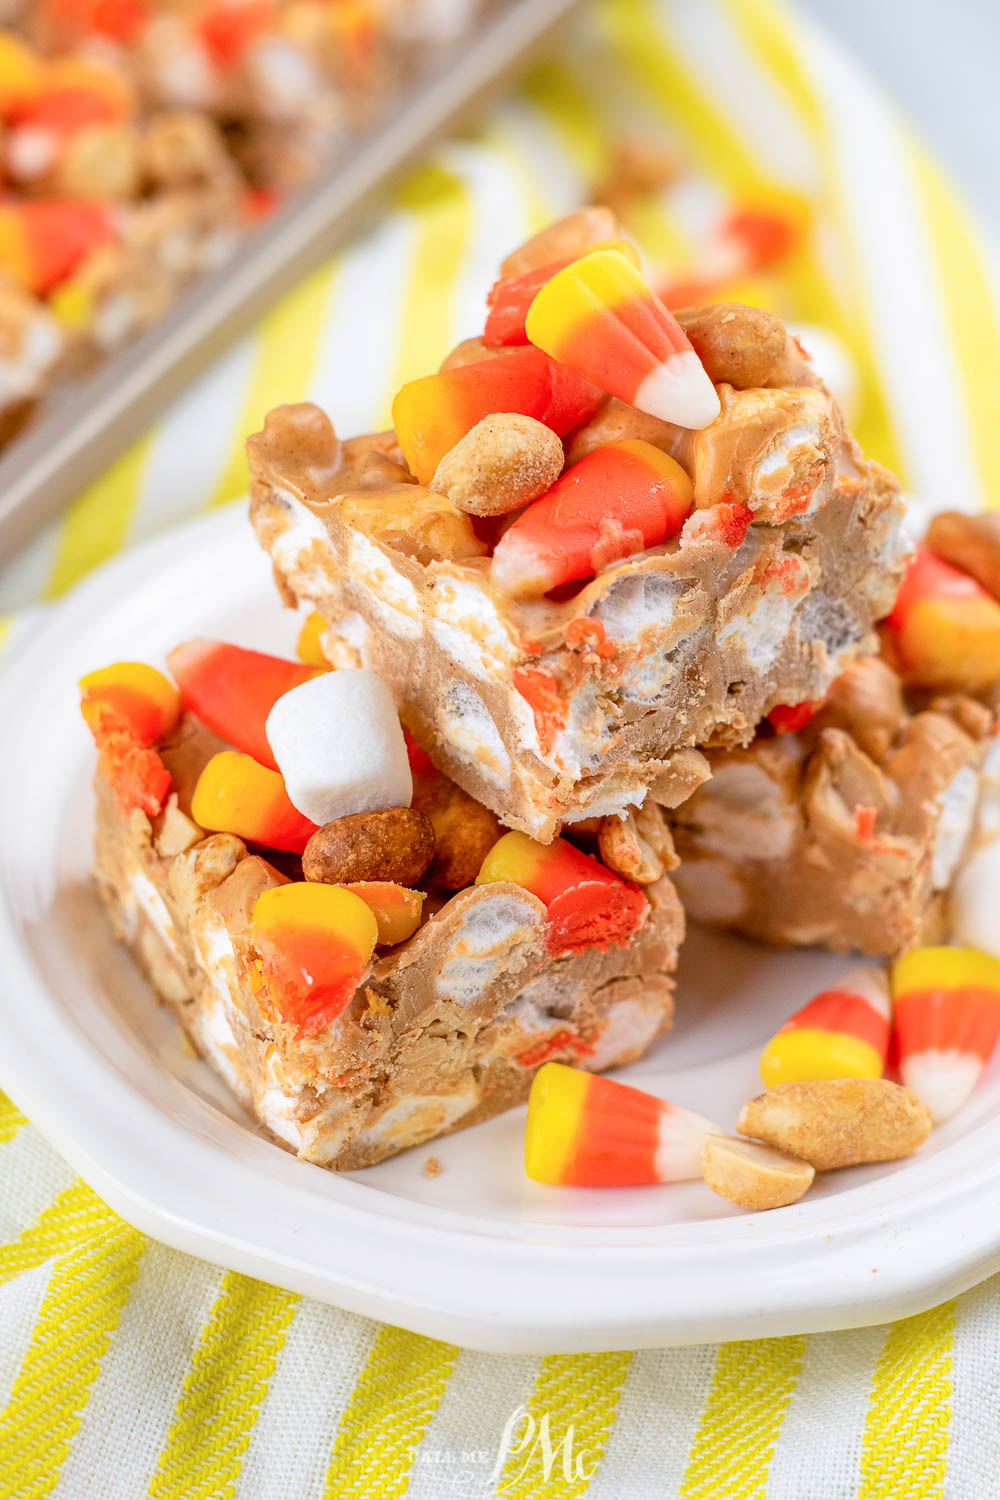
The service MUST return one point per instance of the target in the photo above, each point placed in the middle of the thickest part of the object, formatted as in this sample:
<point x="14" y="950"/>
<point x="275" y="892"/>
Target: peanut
<point x="569" y="236"/>
<point x="971" y="543"/>
<point x="101" y="162"/>
<point x="502" y="463"/>
<point x="737" y="344"/>
<point x="838" y="1122"/>
<point x="866" y="700"/>
<point x="639" y="846"/>
<point x="395" y="844"/>
<point x="464" y="830"/>
<point x="613" y="422"/>
<point x="752" y="1175"/>
<point x="181" y="149"/>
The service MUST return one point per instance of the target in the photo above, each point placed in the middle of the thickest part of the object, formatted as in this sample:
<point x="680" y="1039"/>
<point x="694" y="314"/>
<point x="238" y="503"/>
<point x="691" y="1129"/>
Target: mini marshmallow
<point x="975" y="901"/>
<point x="833" y="363"/>
<point x="338" y="743"/>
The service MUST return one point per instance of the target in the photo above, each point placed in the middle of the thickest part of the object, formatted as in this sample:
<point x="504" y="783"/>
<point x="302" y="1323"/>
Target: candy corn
<point x="946" y="1017"/>
<point x="788" y="718"/>
<point x="432" y="414"/>
<point x="842" y="1033"/>
<point x="139" y="697"/>
<point x="585" y="1131"/>
<point x="229" y="28"/>
<point x="235" y="794"/>
<point x="509" y="298"/>
<point x="22" y="74"/>
<point x="232" y="690"/>
<point x="944" y="630"/>
<point x="601" y="317"/>
<point x="397" y="909"/>
<point x="128" y="707"/>
<point x="619" y="499"/>
<point x="307" y="647"/>
<point x="314" y="943"/>
<point x="42" y="241"/>
<point x="588" y="906"/>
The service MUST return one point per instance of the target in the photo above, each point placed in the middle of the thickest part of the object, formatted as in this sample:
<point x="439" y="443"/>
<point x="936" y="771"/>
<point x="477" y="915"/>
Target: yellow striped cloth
<point x="129" y="1370"/>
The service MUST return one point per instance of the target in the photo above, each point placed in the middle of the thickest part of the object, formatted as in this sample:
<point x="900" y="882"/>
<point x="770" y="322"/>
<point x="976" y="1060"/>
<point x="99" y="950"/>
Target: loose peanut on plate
<point x="395" y="844"/>
<point x="753" y="1175"/>
<point x="464" y="830"/>
<point x="504" y="462"/>
<point x="838" y="1122"/>
<point x="971" y="543"/>
<point x="737" y="344"/>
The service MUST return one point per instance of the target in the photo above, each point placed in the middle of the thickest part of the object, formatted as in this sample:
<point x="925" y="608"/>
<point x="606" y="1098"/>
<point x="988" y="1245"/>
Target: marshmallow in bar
<point x="600" y="538"/>
<point x="871" y="821"/>
<point x="373" y="981"/>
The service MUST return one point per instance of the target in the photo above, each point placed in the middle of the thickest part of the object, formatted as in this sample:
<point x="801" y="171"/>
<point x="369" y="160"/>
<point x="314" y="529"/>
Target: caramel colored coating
<point x="395" y="844"/>
<point x="753" y="1175"/>
<point x="505" y="461"/>
<point x="971" y="543"/>
<point x="464" y="830"/>
<point x="737" y="344"/>
<point x="838" y="1122"/>
<point x="867" y="701"/>
<point x="569" y="236"/>
<point x="614" y="422"/>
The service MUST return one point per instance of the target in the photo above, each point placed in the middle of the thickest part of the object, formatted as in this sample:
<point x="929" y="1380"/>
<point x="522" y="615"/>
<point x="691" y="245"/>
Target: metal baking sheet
<point x="83" y="427"/>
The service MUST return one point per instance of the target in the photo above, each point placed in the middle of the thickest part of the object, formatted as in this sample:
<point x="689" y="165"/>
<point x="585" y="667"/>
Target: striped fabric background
<point x="128" y="1370"/>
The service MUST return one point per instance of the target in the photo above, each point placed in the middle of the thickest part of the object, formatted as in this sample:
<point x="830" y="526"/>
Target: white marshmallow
<point x="974" y="904"/>
<point x="833" y="363"/>
<point x="339" y="745"/>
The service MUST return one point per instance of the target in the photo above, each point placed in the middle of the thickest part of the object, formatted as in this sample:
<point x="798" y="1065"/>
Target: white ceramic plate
<point x="479" y="1254"/>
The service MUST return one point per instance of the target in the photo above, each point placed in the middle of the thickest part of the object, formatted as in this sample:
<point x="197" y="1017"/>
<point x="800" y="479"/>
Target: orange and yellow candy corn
<point x="137" y="695"/>
<point x="601" y="317"/>
<point x="307" y="647"/>
<point x="946" y="1020"/>
<point x="432" y="414"/>
<point x="232" y="690"/>
<point x="397" y="909"/>
<point x="22" y="74"/>
<point x="842" y="1033"/>
<point x="313" y="943"/>
<point x="128" y="707"/>
<point x="586" y="1131"/>
<point x="42" y="241"/>
<point x="588" y="906"/>
<point x="619" y="499"/>
<point x="235" y="794"/>
<point x="509" y="298"/>
<point x="944" y="630"/>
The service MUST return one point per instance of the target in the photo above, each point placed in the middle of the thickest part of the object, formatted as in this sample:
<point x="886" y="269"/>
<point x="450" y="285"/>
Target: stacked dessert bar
<point x="383" y="886"/>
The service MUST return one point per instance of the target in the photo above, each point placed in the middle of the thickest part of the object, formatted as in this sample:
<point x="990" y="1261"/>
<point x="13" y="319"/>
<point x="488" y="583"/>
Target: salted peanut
<point x="752" y="1175"/>
<point x="615" y="422"/>
<point x="639" y="846"/>
<point x="397" y="910"/>
<point x="971" y="543"/>
<point x="838" y="1122"/>
<point x="464" y="830"/>
<point x="866" y="700"/>
<point x="395" y="844"/>
<point x="177" y="831"/>
<point x="180" y="148"/>
<point x="100" y="163"/>
<point x="565" y="238"/>
<point x="637" y="167"/>
<point x="737" y="344"/>
<point x="971" y="716"/>
<point x="504" y="462"/>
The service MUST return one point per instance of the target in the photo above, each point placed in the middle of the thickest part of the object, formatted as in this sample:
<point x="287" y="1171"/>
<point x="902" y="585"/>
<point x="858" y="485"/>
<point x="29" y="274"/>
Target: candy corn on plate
<point x="486" y="1009"/>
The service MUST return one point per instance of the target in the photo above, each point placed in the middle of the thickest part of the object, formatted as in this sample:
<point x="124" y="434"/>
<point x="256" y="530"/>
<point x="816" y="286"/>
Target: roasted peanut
<point x="639" y="846"/>
<point x="866" y="700"/>
<point x="753" y="1175"/>
<point x="505" y="461"/>
<point x="637" y="167"/>
<point x="737" y="344"/>
<point x="395" y="844"/>
<point x="464" y="830"/>
<point x="101" y="162"/>
<point x="569" y="236"/>
<point x="838" y="1122"/>
<point x="180" y="149"/>
<point x="971" y="543"/>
